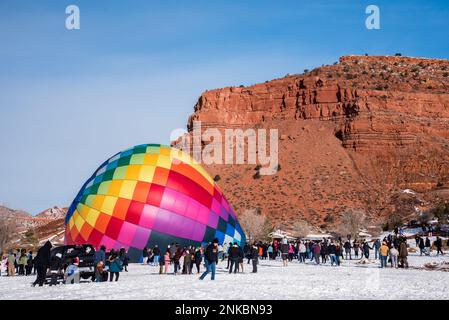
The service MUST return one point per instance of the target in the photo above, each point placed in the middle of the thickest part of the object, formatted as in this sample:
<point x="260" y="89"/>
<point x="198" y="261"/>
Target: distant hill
<point x="31" y="231"/>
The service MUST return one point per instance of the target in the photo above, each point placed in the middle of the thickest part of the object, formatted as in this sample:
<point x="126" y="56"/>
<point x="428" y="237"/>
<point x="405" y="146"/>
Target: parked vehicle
<point x="85" y="254"/>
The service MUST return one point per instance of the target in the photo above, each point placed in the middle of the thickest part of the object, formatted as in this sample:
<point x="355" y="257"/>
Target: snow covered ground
<point x="273" y="281"/>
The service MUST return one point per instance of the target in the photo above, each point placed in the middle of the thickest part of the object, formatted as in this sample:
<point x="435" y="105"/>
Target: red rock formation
<point x="352" y="134"/>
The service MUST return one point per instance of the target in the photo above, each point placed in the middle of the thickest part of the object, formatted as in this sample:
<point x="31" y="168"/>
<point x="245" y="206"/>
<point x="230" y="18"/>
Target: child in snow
<point x="72" y="273"/>
<point x="290" y="252"/>
<point x="270" y="252"/>
<point x="167" y="261"/>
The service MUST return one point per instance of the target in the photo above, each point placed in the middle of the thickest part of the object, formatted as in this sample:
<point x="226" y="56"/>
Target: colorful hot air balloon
<point x="147" y="195"/>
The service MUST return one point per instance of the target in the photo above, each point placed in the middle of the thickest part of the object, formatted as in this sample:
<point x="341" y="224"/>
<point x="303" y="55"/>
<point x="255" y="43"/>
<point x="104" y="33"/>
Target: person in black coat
<point x="227" y="254"/>
<point x="29" y="266"/>
<point x="42" y="262"/>
<point x="211" y="259"/>
<point x="240" y="260"/>
<point x="247" y="251"/>
<point x="198" y="258"/>
<point x="161" y="262"/>
<point x="123" y="256"/>
<point x="332" y="251"/>
<point x="348" y="248"/>
<point x="145" y="255"/>
<point x="366" y="248"/>
<point x="421" y="246"/>
<point x="255" y="257"/>
<point x="55" y="267"/>
<point x="439" y="245"/>
<point x="323" y="252"/>
<point x="234" y="257"/>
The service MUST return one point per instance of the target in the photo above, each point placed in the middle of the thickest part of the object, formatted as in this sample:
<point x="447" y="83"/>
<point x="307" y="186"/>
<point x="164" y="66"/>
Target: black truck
<point x="85" y="254"/>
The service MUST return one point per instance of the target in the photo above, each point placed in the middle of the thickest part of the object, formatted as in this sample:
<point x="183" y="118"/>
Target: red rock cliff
<point x="352" y="134"/>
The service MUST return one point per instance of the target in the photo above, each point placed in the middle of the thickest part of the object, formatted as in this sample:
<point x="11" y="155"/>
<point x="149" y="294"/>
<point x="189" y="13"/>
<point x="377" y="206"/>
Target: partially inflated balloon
<point x="148" y="195"/>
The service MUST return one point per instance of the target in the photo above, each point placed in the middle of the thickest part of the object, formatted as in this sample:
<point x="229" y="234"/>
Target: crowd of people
<point x="183" y="259"/>
<point x="19" y="262"/>
<point x="116" y="261"/>
<point x="188" y="259"/>
<point x="425" y="245"/>
<point x="392" y="250"/>
<point x="44" y="265"/>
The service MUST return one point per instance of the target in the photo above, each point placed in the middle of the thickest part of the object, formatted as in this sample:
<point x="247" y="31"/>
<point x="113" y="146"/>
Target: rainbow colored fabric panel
<point x="147" y="195"/>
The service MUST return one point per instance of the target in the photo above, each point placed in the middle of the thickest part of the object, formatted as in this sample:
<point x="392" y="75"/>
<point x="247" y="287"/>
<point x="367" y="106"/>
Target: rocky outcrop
<point x="353" y="133"/>
<point x="54" y="213"/>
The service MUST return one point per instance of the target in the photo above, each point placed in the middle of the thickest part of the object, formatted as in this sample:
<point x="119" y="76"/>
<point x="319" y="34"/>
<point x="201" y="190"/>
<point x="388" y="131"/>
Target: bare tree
<point x="301" y="229"/>
<point x="352" y="221"/>
<point x="256" y="226"/>
<point x="6" y="230"/>
<point x="441" y="212"/>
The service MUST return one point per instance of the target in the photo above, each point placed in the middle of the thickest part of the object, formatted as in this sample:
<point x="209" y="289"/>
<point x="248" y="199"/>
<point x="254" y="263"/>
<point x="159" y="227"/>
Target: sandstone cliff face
<point x="352" y="134"/>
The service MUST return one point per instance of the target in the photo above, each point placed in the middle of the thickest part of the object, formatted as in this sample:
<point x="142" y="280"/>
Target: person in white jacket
<point x="3" y="264"/>
<point x="302" y="252"/>
<point x="394" y="253"/>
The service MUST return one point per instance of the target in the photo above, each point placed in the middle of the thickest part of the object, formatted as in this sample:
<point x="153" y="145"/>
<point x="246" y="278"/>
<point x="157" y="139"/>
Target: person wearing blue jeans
<point x="332" y="251"/>
<point x="384" y="250"/>
<point x="210" y="268"/>
<point x="211" y="259"/>
<point x="383" y="261"/>
<point x="376" y="248"/>
<point x="333" y="259"/>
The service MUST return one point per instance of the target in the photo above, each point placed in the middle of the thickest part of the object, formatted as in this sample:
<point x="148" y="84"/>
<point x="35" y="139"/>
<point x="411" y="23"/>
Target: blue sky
<point x="133" y="72"/>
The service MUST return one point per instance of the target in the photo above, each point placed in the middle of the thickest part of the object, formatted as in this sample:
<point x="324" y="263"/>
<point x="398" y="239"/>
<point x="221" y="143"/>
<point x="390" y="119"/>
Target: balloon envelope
<point x="150" y="195"/>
